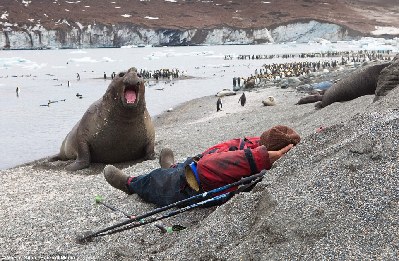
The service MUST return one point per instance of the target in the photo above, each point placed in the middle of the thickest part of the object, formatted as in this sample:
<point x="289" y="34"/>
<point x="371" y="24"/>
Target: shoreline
<point x="209" y="104"/>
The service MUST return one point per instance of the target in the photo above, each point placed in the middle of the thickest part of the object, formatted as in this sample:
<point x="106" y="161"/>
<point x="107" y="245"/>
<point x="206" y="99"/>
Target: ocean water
<point x="29" y="131"/>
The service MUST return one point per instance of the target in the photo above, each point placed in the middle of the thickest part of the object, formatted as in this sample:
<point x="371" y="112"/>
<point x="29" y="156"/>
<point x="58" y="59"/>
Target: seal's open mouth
<point x="130" y="95"/>
<point x="132" y="89"/>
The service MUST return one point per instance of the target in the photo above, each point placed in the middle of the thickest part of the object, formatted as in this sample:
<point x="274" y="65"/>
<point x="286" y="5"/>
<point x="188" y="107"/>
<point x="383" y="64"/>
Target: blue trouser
<point x="163" y="186"/>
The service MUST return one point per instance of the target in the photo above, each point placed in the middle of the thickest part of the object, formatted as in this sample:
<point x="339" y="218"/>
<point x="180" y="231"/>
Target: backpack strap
<point x="242" y="143"/>
<point x="193" y="166"/>
<point x="247" y="140"/>
<point x="191" y="176"/>
<point x="251" y="161"/>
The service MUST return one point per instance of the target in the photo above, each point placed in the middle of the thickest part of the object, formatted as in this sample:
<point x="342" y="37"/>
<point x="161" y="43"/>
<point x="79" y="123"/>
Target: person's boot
<point x="116" y="178"/>
<point x="166" y="158"/>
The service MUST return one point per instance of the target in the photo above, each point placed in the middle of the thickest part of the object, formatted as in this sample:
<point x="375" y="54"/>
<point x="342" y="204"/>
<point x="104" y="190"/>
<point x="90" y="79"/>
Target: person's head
<point x="278" y="137"/>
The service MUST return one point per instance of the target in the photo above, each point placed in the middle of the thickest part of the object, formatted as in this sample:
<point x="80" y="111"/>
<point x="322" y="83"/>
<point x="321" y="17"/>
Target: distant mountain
<point x="99" y="23"/>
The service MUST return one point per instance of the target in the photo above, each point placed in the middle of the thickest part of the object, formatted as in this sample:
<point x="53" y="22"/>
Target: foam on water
<point x="78" y="51"/>
<point x="83" y="60"/>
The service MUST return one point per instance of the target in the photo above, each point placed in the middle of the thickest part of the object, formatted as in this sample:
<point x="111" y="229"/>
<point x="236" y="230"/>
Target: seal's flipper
<point x="55" y="157"/>
<point x="83" y="159"/>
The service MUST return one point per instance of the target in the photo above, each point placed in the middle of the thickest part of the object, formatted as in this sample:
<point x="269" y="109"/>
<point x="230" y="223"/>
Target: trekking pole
<point x="222" y="197"/>
<point x="99" y="200"/>
<point x="142" y="222"/>
<point x="202" y="196"/>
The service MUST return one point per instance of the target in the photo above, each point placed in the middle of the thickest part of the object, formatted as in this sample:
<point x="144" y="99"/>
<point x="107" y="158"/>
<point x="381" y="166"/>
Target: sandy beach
<point x="334" y="196"/>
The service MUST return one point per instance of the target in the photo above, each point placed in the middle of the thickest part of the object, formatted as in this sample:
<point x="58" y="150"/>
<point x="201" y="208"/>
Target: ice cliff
<point x="118" y="35"/>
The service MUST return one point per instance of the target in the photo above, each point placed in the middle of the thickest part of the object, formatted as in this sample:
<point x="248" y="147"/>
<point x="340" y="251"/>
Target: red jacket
<point x="221" y="164"/>
<point x="234" y="144"/>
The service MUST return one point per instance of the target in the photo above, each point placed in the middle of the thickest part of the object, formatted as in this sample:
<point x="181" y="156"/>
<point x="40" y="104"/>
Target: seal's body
<point x="270" y="101"/>
<point x="310" y="99"/>
<point x="361" y="82"/>
<point x="388" y="79"/>
<point x="116" y="128"/>
<point x="225" y="92"/>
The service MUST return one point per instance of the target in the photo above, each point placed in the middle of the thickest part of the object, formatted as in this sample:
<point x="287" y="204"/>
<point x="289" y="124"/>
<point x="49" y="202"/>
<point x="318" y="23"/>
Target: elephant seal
<point x="310" y="99"/>
<point x="115" y="128"/>
<point x="361" y="82"/>
<point x="270" y="101"/>
<point x="388" y="79"/>
<point x="225" y="92"/>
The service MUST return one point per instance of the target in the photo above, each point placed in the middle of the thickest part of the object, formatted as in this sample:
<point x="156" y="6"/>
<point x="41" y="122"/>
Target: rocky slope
<point x="100" y="23"/>
<point x="332" y="197"/>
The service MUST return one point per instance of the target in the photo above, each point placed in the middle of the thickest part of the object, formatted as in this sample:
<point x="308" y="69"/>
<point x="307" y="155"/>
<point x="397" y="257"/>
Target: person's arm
<point x="275" y="155"/>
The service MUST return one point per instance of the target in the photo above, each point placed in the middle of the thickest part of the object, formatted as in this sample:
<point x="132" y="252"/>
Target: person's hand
<point x="275" y="155"/>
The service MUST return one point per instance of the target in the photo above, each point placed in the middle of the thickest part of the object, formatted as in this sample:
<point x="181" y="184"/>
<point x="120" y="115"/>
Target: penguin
<point x="242" y="99"/>
<point x="219" y="105"/>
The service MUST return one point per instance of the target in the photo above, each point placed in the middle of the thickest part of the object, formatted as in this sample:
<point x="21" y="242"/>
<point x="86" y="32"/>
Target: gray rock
<point x="294" y="81"/>
<point x="304" y="88"/>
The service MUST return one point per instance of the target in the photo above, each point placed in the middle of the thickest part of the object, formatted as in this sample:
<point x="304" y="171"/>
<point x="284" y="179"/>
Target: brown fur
<point x="112" y="130"/>
<point x="270" y="101"/>
<point x="388" y="79"/>
<point x="361" y="82"/>
<point x="310" y="99"/>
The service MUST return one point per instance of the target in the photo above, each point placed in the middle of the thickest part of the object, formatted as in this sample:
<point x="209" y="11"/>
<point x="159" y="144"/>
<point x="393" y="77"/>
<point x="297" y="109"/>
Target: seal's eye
<point x="121" y="74"/>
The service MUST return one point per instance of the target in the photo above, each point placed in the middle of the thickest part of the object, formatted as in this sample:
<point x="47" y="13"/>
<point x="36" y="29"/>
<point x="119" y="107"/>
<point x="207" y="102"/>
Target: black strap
<point x="247" y="140"/>
<point x="242" y="144"/>
<point x="233" y="148"/>
<point x="251" y="161"/>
